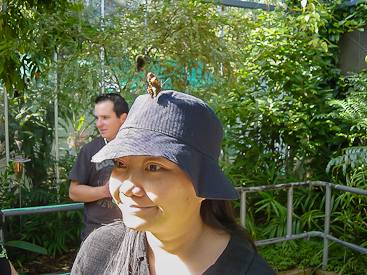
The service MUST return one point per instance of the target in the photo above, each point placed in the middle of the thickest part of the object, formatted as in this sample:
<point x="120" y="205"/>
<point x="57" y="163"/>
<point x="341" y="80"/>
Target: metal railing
<point x="243" y="191"/>
<point x="290" y="236"/>
<point x="39" y="210"/>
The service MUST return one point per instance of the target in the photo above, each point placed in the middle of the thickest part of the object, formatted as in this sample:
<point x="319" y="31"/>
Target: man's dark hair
<point x="119" y="104"/>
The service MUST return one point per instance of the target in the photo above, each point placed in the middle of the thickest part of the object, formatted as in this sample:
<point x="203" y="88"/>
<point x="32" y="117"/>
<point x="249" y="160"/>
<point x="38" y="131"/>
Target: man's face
<point x="107" y="122"/>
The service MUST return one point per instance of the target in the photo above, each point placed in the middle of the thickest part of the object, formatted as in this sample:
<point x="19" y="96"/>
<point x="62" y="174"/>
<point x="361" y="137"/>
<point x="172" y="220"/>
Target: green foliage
<point x="353" y="156"/>
<point x="267" y="216"/>
<point x="346" y="261"/>
<point x="273" y="129"/>
<point x="348" y="218"/>
<point x="59" y="230"/>
<point x="7" y="189"/>
<point x="190" y="65"/>
<point x="350" y="113"/>
<point x="19" y="50"/>
<point x="55" y="232"/>
<point x="284" y="256"/>
<point x="31" y="117"/>
<point x="303" y="254"/>
<point x="284" y="80"/>
<point x="27" y="246"/>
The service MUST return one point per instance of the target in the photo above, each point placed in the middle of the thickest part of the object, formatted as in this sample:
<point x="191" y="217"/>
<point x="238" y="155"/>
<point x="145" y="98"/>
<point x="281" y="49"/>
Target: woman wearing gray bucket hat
<point x="174" y="197"/>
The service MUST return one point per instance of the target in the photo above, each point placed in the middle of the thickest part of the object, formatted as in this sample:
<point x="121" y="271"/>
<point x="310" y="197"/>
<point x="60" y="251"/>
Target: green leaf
<point x="27" y="246"/>
<point x="81" y="121"/>
<point x="324" y="46"/>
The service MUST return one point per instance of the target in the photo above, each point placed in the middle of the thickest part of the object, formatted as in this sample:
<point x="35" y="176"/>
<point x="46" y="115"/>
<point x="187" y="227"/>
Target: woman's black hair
<point x="219" y="215"/>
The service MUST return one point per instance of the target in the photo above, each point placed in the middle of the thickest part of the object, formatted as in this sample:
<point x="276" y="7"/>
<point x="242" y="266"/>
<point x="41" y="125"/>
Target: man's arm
<point x="85" y="193"/>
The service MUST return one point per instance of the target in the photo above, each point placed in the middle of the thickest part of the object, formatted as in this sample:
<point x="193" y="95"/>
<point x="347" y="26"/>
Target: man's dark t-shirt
<point x="86" y="172"/>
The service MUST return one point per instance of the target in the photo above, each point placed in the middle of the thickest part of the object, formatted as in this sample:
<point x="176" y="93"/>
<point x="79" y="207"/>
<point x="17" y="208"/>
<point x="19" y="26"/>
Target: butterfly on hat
<point x="154" y="86"/>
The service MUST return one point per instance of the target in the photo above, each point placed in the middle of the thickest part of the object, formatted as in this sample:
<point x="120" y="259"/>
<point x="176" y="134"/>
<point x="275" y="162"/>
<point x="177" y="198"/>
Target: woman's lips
<point x="138" y="208"/>
<point x="141" y="207"/>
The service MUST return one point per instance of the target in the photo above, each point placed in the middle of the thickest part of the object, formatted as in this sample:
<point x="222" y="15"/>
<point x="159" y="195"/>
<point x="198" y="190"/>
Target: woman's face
<point x="154" y="194"/>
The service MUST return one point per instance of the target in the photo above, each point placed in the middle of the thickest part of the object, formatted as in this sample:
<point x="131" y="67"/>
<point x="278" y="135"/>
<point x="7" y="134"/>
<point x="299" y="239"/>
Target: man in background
<point x="90" y="181"/>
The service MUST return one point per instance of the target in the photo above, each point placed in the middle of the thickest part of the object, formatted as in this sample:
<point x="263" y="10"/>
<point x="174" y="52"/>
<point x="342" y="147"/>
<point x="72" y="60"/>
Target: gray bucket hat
<point x="180" y="128"/>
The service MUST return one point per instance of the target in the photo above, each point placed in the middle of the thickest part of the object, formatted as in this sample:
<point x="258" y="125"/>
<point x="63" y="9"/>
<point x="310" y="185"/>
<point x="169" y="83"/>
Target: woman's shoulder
<point x="97" y="249"/>
<point x="240" y="258"/>
<point x="116" y="227"/>
<point x="107" y="234"/>
<point x="253" y="263"/>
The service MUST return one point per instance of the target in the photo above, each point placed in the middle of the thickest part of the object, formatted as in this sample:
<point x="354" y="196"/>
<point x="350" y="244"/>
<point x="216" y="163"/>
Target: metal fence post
<point x="289" y="212"/>
<point x="326" y="227"/>
<point x="243" y="209"/>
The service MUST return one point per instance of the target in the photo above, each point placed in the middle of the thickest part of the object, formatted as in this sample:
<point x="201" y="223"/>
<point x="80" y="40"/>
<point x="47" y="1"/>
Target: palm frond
<point x="351" y="156"/>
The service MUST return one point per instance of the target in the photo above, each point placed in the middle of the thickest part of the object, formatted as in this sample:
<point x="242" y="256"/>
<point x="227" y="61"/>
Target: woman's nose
<point x="128" y="189"/>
